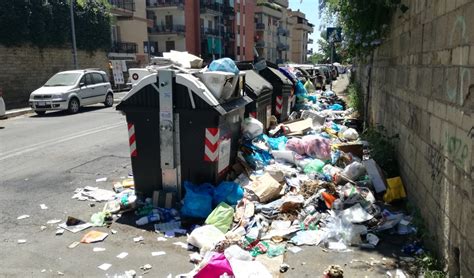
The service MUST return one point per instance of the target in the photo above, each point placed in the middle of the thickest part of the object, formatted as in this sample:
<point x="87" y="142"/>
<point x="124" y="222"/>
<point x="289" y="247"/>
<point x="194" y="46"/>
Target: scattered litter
<point x="42" y="228"/>
<point x="333" y="271"/>
<point x="75" y="225"/>
<point x="372" y="239"/>
<point x="113" y="231"/>
<point x="24" y="216"/>
<point x="43" y="206"/>
<point x="160" y="238"/>
<point x="59" y="232"/>
<point x="60" y="273"/>
<point x="21" y="241"/>
<point x="98" y="249"/>
<point x="43" y="270"/>
<point x="53" y="221"/>
<point x="195" y="257"/>
<point x="158" y="253"/>
<point x="356" y="214"/>
<point x="73" y="245"/>
<point x="295" y="249"/>
<point x="122" y="255"/>
<point x="170" y="229"/>
<point x="93" y="236"/>
<point x="101" y="180"/>
<point x="93" y="194"/>
<point x="138" y="239"/>
<point x="337" y="246"/>
<point x="145" y="267"/>
<point x="284" y="268"/>
<point x="104" y="266"/>
<point x="181" y="244"/>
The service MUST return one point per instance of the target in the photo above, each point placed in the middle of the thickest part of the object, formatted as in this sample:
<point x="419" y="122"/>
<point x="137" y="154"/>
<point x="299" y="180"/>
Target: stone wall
<point x="422" y="88"/>
<point x="24" y="69"/>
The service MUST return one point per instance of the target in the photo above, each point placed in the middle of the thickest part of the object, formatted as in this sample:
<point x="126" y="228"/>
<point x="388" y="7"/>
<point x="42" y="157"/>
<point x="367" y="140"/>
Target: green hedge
<point x="48" y="24"/>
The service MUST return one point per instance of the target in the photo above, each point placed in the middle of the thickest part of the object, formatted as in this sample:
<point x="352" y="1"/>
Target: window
<point x="169" y="21"/>
<point x="209" y="24"/>
<point x="88" y="79"/>
<point x="169" y="46"/>
<point x="202" y="23"/>
<point x="238" y="30"/>
<point x="97" y="78"/>
<point x="238" y="50"/>
<point x="243" y="50"/>
<point x="243" y="30"/>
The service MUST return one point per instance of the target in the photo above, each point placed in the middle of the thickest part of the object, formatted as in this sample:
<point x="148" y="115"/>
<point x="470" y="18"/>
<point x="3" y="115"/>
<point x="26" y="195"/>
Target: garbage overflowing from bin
<point x="306" y="181"/>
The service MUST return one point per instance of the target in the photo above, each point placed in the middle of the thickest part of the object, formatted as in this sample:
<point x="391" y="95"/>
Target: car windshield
<point x="63" y="79"/>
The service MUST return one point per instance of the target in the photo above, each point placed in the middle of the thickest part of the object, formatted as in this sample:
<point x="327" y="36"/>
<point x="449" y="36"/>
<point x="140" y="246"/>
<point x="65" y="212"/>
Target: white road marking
<point x="17" y="152"/>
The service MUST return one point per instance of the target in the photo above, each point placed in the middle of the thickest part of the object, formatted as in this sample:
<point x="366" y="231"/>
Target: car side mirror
<point x="82" y="84"/>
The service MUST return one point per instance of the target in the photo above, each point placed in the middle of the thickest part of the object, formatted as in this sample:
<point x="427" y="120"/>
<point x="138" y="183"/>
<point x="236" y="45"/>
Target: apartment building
<point x="301" y="29"/>
<point x="245" y="30"/>
<point x="201" y="27"/>
<point x="129" y="31"/>
<point x="272" y="38"/>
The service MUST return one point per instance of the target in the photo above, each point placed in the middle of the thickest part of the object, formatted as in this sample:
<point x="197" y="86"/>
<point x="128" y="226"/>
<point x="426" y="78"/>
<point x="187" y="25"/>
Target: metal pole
<point x="219" y="26"/>
<point x="73" y="30"/>
<point x="332" y="50"/>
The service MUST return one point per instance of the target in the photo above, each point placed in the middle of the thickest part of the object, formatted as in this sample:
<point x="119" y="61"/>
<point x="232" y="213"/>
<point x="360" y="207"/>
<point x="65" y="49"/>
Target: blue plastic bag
<point x="228" y="192"/>
<point x="276" y="143"/>
<point x="198" y="200"/>
<point x="224" y="64"/>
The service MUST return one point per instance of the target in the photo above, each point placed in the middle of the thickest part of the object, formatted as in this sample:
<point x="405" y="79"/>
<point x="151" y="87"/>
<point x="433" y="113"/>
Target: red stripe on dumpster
<point x="131" y="140"/>
<point x="279" y="104"/>
<point x="211" y="144"/>
<point x="253" y="115"/>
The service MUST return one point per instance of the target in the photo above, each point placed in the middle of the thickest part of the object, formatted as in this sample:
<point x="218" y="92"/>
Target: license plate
<point x="41" y="103"/>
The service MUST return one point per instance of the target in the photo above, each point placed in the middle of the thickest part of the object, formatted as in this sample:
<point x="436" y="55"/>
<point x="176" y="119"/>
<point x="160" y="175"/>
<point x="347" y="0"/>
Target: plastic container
<point x="148" y="219"/>
<point x="220" y="83"/>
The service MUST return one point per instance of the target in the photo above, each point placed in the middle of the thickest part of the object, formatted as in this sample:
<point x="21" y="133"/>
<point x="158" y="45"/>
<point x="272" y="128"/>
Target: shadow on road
<point x="64" y="113"/>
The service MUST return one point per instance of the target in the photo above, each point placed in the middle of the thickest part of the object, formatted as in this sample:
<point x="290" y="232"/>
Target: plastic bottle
<point x="148" y="219"/>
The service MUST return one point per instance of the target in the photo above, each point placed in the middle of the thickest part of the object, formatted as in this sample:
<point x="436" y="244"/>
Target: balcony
<point x="211" y="7"/>
<point x="212" y="32"/>
<point x="260" y="44"/>
<point x="167" y="30"/>
<point x="282" y="47"/>
<point x="165" y="3"/>
<point x="260" y="26"/>
<point x="304" y="26"/>
<point x="282" y="32"/>
<point x="124" y="47"/>
<point x="310" y="41"/>
<point x="122" y="8"/>
<point x="229" y="36"/>
<point x="270" y="9"/>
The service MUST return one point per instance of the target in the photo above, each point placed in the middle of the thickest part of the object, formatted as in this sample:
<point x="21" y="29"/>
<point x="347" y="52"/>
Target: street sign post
<point x="333" y="35"/>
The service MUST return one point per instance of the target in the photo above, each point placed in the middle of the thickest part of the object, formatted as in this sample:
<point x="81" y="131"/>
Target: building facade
<point x="301" y="29"/>
<point x="129" y="31"/>
<point x="271" y="30"/>
<point x="201" y="27"/>
<point x="244" y="30"/>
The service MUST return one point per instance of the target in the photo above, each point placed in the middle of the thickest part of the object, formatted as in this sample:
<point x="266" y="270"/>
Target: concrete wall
<point x="24" y="69"/>
<point x="422" y="88"/>
<point x="135" y="29"/>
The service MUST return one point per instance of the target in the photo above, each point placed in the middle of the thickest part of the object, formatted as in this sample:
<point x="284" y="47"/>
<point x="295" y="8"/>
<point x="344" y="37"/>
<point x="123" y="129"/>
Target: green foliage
<point x="364" y="22"/>
<point x="382" y="150"/>
<point x="317" y="58"/>
<point x="48" y="24"/>
<point x="429" y="266"/>
<point x="356" y="98"/>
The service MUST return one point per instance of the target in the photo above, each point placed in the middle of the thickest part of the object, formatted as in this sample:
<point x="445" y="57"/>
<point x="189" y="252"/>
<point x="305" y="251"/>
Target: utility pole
<point x="332" y="54"/>
<point x="73" y="30"/>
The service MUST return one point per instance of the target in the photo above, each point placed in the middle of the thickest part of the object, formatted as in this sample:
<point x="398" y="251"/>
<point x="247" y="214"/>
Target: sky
<point x="311" y="9"/>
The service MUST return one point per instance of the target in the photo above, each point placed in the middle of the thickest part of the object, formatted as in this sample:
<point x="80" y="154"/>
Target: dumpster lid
<point x="279" y="75"/>
<point x="195" y="85"/>
<point x="256" y="83"/>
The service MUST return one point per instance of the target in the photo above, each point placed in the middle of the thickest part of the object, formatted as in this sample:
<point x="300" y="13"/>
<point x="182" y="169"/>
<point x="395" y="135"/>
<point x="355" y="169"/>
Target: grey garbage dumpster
<point x="179" y="131"/>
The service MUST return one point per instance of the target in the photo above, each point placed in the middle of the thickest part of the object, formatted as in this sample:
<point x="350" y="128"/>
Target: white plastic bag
<point x="205" y="237"/>
<point x="354" y="170"/>
<point x="350" y="134"/>
<point x="235" y="252"/>
<point x="251" y="128"/>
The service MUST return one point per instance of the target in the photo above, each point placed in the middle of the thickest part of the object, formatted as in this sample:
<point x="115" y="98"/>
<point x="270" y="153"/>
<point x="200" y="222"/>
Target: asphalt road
<point x="44" y="159"/>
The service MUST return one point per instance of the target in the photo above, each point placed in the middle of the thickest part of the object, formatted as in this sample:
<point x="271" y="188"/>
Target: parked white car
<point x="69" y="90"/>
<point x="2" y="105"/>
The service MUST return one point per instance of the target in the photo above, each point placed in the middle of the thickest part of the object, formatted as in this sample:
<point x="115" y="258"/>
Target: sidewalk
<point x="21" y="111"/>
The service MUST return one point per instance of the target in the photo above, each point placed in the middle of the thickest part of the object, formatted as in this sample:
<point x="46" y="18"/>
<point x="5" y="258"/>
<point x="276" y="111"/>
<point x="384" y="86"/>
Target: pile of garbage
<point x="308" y="181"/>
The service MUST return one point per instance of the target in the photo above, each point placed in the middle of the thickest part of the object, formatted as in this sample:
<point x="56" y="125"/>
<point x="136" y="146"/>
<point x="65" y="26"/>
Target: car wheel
<point x="40" y="113"/>
<point x="109" y="100"/>
<point x="73" y="107"/>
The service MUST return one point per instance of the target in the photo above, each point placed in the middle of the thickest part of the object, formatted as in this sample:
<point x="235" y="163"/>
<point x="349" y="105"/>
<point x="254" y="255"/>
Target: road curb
<point x="23" y="111"/>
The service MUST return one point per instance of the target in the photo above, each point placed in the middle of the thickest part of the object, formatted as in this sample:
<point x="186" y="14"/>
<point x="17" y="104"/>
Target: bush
<point x="356" y="98"/>
<point x="382" y="150"/>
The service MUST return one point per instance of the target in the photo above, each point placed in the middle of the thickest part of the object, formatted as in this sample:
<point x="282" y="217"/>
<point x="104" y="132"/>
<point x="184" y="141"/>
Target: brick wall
<point x="24" y="69"/>
<point x="422" y="88"/>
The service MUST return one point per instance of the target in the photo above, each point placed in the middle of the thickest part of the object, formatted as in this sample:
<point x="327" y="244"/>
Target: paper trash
<point x="93" y="236"/>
